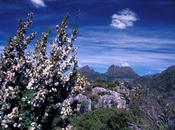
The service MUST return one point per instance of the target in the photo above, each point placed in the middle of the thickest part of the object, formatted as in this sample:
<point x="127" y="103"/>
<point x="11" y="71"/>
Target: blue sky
<point x="138" y="33"/>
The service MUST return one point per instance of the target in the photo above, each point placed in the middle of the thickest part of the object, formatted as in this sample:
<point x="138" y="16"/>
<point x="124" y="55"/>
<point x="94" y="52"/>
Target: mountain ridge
<point x="164" y="81"/>
<point x="112" y="73"/>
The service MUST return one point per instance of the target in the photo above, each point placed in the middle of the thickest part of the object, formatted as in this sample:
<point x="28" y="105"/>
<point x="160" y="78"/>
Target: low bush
<point x="103" y="119"/>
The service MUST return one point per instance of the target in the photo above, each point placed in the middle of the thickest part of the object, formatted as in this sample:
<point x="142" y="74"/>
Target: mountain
<point x="86" y="69"/>
<point x="90" y="73"/>
<point x="162" y="82"/>
<point x="112" y="73"/>
<point x="123" y="72"/>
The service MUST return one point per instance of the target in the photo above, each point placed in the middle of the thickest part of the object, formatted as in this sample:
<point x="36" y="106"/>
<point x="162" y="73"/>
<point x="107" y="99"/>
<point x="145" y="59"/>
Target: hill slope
<point x="162" y="82"/>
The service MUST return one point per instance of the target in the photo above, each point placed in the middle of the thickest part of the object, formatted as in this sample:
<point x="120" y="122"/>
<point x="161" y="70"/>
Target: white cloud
<point x="38" y="3"/>
<point x="123" y="19"/>
<point x="126" y="64"/>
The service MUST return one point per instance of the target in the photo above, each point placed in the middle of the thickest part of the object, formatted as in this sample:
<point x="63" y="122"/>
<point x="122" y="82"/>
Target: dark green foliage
<point x="27" y="114"/>
<point x="105" y="84"/>
<point x="103" y="119"/>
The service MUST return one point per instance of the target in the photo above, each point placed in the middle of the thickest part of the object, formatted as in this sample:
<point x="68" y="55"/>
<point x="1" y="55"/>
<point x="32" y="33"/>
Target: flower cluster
<point x="66" y="110"/>
<point x="35" y="126"/>
<point x="33" y="88"/>
<point x="81" y="83"/>
<point x="39" y="100"/>
<point x="14" y="68"/>
<point x="69" y="127"/>
<point x="11" y="118"/>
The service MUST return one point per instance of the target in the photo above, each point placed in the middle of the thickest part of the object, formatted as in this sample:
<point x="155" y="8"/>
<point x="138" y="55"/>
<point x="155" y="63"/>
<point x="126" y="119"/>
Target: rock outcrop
<point x="104" y="99"/>
<point x="108" y="98"/>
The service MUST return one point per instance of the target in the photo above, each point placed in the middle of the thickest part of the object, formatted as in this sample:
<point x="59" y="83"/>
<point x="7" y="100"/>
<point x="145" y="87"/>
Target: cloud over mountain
<point x="126" y="64"/>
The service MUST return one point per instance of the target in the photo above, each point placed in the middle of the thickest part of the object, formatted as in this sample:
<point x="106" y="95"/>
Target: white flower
<point x="6" y="126"/>
<point x="19" y="125"/>
<point x="46" y="114"/>
<point x="23" y="99"/>
<point x="68" y="40"/>
<point x="30" y="84"/>
<point x="15" y="125"/>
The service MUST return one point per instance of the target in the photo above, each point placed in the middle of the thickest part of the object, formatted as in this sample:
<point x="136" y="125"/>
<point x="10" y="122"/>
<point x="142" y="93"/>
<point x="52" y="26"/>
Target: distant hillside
<point x="160" y="96"/>
<point x="163" y="82"/>
<point x="113" y="72"/>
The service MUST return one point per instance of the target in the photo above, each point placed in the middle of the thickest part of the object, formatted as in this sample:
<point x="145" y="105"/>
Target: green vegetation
<point x="103" y="119"/>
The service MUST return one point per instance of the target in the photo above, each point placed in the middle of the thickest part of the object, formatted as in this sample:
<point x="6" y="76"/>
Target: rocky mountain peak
<point x="113" y="72"/>
<point x="123" y="71"/>
<point x="86" y="69"/>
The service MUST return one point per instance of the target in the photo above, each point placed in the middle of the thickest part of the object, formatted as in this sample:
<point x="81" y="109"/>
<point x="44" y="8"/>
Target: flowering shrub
<point x="33" y="88"/>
